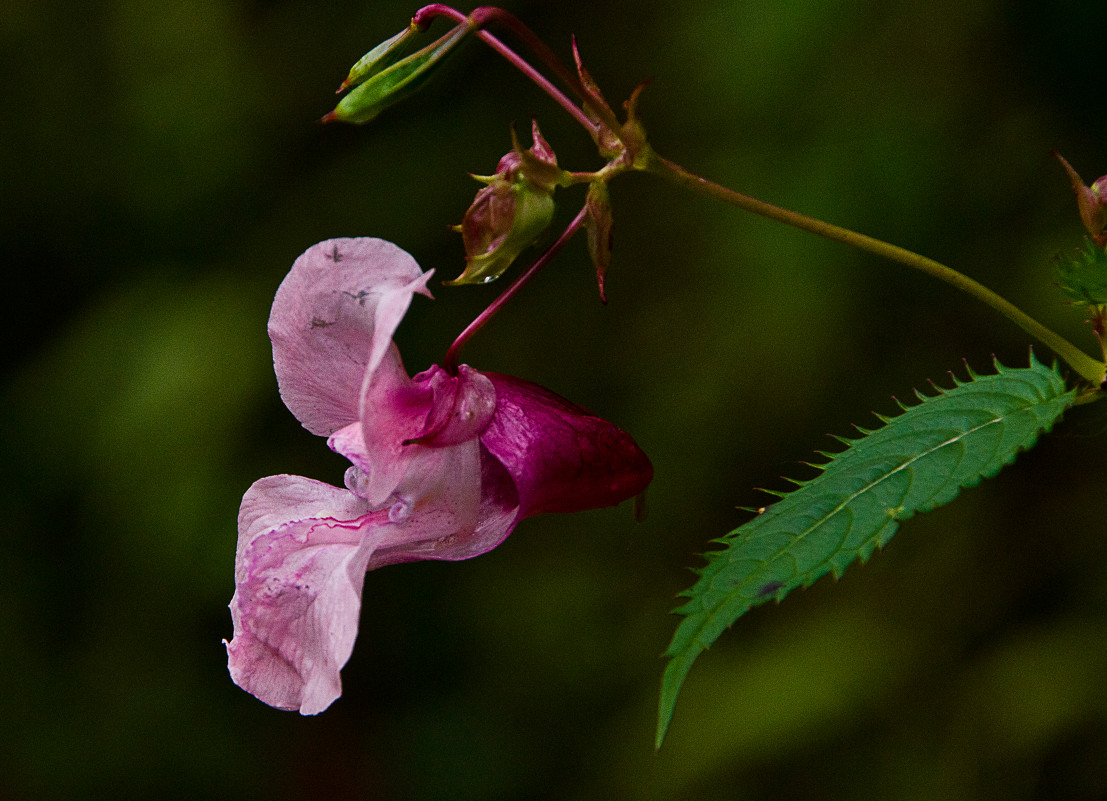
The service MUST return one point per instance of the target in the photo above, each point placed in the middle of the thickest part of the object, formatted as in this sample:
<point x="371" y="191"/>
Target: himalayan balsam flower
<point x="443" y="467"/>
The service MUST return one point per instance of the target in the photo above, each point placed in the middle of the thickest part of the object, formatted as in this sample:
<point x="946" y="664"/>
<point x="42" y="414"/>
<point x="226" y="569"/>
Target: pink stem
<point x="449" y="363"/>
<point x="480" y="16"/>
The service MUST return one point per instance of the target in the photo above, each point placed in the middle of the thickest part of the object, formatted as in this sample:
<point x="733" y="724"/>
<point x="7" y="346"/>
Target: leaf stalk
<point x="1088" y="368"/>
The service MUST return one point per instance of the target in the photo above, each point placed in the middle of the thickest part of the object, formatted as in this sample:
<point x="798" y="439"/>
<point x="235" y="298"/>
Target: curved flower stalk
<point x="443" y="466"/>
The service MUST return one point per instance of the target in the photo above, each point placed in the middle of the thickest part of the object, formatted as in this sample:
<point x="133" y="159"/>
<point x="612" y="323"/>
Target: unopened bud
<point x="511" y="212"/>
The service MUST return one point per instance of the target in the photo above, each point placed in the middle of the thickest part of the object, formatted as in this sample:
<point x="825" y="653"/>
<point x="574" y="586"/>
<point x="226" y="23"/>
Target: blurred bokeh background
<point x="160" y="168"/>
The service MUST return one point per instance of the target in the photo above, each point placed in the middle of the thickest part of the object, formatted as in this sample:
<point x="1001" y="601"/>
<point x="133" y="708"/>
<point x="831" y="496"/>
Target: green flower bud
<point x="511" y="212"/>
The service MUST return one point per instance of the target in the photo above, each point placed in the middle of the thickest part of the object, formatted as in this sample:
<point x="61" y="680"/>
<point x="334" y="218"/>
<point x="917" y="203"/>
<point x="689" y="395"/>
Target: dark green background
<point x="160" y="169"/>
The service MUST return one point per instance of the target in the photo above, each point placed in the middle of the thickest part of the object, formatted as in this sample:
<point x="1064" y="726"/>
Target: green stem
<point x="1088" y="368"/>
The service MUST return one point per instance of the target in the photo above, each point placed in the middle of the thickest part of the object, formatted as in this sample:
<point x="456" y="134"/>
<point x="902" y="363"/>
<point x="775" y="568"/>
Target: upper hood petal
<point x="332" y="322"/>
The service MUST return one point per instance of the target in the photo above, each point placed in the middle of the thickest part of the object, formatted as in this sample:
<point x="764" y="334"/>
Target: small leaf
<point x="395" y="83"/>
<point x="916" y="462"/>
<point x="1084" y="279"/>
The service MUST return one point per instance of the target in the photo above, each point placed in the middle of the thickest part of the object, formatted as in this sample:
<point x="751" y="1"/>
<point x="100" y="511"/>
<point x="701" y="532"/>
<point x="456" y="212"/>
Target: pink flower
<point x="443" y="467"/>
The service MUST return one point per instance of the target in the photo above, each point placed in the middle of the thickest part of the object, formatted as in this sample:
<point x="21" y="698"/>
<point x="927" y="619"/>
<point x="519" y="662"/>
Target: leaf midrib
<point x="868" y="488"/>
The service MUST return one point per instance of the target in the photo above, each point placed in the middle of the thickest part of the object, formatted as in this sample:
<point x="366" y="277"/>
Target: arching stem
<point x="1088" y="368"/>
<point x="482" y="16"/>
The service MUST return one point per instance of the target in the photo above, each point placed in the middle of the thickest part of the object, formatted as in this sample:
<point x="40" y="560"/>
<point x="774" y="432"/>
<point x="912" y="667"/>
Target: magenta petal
<point x="303" y="550"/>
<point x="332" y="321"/>
<point x="561" y="457"/>
<point x="402" y="418"/>
<point x="462" y="408"/>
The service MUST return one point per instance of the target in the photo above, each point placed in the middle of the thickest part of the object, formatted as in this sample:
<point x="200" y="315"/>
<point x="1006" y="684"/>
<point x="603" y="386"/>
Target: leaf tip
<point x="671" y="681"/>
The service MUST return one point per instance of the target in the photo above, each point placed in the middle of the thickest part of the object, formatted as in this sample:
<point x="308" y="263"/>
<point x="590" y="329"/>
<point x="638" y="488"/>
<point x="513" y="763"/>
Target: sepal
<point x="606" y="140"/>
<point x="1091" y="201"/>
<point x="598" y="223"/>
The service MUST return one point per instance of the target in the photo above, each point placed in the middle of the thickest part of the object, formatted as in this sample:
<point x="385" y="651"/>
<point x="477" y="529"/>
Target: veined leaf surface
<point x="916" y="462"/>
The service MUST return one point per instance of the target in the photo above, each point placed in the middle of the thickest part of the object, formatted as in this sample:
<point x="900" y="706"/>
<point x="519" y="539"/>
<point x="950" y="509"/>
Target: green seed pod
<point x="387" y="86"/>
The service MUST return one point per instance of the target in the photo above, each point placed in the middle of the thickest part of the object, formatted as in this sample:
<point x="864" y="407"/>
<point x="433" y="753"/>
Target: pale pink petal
<point x="394" y="409"/>
<point x="561" y="457"/>
<point x="439" y="504"/>
<point x="394" y="300"/>
<point x="332" y="320"/>
<point x="435" y="504"/>
<point x="496" y="518"/>
<point x="304" y="547"/>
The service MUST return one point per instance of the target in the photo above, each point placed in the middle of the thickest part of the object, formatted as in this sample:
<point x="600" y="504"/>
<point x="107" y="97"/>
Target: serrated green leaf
<point x="917" y="461"/>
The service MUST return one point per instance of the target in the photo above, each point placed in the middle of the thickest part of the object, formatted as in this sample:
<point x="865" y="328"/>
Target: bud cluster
<point x="514" y="208"/>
